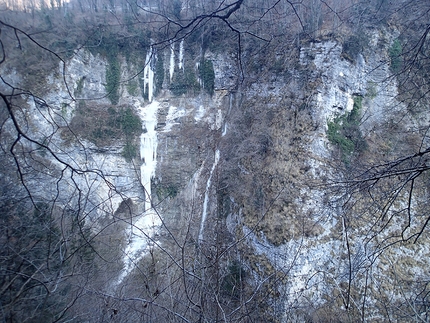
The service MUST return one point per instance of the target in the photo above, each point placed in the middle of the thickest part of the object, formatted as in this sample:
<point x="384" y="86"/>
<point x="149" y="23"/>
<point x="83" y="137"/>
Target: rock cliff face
<point x="247" y="168"/>
<point x="300" y="229"/>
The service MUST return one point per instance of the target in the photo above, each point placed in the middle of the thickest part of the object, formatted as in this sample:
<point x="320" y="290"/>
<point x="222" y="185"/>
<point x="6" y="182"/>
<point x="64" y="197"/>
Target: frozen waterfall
<point x="145" y="226"/>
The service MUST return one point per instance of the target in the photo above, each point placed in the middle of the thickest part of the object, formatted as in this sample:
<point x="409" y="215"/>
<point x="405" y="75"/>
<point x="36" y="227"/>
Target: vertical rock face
<point x="176" y="152"/>
<point x="86" y="77"/>
<point x="294" y="225"/>
<point x="247" y="169"/>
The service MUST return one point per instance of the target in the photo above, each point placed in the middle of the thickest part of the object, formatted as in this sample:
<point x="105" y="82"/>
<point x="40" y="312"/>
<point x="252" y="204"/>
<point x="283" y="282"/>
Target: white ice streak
<point x="181" y="55"/>
<point x="148" y="75"/>
<point x="143" y="230"/>
<point x="172" y="60"/>
<point x="224" y="132"/>
<point x="206" y="200"/>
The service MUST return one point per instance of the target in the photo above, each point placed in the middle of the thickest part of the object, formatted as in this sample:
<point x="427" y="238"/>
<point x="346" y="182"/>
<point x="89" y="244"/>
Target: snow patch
<point x="199" y="113"/>
<point x="172" y="117"/>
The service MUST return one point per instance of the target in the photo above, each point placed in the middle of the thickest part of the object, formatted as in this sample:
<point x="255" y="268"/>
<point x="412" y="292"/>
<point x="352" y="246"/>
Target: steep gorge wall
<point x="244" y="169"/>
<point x="295" y="226"/>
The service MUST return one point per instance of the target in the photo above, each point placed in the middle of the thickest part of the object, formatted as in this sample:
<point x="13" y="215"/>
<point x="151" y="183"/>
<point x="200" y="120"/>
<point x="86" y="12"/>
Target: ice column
<point x="172" y="60"/>
<point x="181" y="55"/>
<point x="148" y="75"/>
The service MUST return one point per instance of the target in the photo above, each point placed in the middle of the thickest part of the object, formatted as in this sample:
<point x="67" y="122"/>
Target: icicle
<point x="181" y="55"/>
<point x="206" y="200"/>
<point x="150" y="84"/>
<point x="172" y="60"/>
<point x="148" y="75"/>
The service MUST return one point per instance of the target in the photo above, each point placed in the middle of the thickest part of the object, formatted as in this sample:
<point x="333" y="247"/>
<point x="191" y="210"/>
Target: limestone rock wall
<point x="249" y="166"/>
